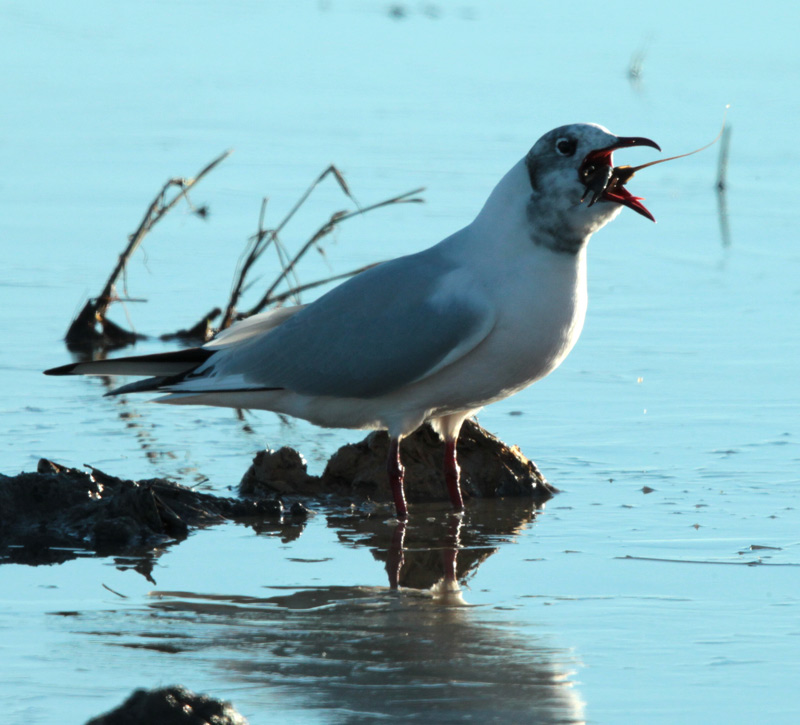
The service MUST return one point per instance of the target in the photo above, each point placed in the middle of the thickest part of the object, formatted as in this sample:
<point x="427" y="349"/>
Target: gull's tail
<point x="167" y="369"/>
<point x="163" y="368"/>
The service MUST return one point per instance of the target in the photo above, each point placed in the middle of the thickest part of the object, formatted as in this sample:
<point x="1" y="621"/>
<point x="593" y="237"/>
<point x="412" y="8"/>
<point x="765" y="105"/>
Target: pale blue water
<point x="615" y="606"/>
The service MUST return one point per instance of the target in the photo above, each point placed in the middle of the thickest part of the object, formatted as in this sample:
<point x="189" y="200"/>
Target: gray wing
<point x="387" y="327"/>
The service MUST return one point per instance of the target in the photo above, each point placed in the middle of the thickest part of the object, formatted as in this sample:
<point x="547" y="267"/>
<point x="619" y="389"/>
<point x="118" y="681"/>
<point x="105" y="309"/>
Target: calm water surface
<point x="612" y="605"/>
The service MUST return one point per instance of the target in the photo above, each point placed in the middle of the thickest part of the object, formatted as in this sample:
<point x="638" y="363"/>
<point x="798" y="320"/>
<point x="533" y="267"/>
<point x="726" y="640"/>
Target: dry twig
<point x="83" y="330"/>
<point x="262" y="239"/>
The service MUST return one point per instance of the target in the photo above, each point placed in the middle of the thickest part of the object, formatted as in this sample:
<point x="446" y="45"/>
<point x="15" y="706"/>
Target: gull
<point x="432" y="336"/>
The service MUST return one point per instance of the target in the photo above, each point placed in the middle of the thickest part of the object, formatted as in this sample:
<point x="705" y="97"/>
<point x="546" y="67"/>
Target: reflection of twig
<point x="82" y="330"/>
<point x="262" y="239"/>
<point x="722" y="187"/>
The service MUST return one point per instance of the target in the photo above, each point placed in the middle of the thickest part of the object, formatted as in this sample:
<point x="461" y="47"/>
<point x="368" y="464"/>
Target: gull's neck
<point x="517" y="217"/>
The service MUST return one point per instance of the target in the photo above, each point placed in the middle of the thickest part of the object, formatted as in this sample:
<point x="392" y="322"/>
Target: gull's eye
<point x="566" y="146"/>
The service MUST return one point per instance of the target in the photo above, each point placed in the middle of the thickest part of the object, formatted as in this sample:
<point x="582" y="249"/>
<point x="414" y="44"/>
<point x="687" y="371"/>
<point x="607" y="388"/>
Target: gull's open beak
<point x="605" y="182"/>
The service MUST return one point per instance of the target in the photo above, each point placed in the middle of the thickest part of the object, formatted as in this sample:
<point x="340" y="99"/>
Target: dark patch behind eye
<point x="566" y="146"/>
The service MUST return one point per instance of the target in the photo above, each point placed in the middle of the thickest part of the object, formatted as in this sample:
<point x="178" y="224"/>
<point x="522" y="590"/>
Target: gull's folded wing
<point x="389" y="326"/>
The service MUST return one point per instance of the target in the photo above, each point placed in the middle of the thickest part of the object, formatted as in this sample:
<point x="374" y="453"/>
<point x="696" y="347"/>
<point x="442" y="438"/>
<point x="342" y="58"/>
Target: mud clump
<point x="174" y="705"/>
<point x="279" y="472"/>
<point x="58" y="513"/>
<point x="357" y="471"/>
<point x="47" y="514"/>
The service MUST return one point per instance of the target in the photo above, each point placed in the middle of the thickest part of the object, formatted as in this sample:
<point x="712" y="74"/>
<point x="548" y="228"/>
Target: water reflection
<point x="412" y="649"/>
<point x="437" y="547"/>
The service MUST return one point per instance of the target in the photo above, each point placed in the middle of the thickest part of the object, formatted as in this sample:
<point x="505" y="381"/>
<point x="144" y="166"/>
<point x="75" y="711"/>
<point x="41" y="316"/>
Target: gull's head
<point x="574" y="187"/>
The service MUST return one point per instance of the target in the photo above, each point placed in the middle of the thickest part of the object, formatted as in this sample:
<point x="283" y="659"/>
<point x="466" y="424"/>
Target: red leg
<point x="452" y="473"/>
<point x="395" y="468"/>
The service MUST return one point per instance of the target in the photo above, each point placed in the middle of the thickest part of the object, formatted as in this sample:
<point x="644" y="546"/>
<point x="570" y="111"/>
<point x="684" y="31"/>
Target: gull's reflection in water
<point x="445" y="590"/>
<point x="437" y="549"/>
<point x="412" y="650"/>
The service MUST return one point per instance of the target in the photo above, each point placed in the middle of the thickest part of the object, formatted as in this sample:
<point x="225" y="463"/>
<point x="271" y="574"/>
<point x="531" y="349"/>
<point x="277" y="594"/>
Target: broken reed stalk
<point x="254" y="249"/>
<point x="82" y="331"/>
<point x="261" y="240"/>
<point x="722" y="169"/>
<point x="722" y="188"/>
<point x="279" y="299"/>
<point x="337" y="218"/>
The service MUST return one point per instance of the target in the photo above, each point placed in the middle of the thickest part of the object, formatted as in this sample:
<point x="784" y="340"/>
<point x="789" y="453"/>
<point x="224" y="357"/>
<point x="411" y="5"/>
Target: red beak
<point x="596" y="165"/>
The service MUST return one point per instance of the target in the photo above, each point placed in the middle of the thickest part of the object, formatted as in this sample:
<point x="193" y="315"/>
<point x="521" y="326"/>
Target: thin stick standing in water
<point x="722" y="188"/>
<point x="622" y="174"/>
<point x="259" y="242"/>
<point x="722" y="171"/>
<point x="325" y="229"/>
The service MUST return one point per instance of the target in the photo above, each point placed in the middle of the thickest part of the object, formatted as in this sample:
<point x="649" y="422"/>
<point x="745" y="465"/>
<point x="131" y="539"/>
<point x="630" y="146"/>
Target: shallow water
<point x="610" y="605"/>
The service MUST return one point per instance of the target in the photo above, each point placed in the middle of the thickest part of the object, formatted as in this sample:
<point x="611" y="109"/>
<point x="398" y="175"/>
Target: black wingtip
<point x="63" y="370"/>
<point x="177" y="361"/>
<point x="148" y="385"/>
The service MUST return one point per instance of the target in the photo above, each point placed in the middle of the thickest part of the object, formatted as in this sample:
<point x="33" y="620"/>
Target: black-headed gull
<point x="432" y="336"/>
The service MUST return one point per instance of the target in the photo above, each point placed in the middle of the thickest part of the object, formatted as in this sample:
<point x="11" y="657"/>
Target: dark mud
<point x="58" y="513"/>
<point x="173" y="705"/>
<point x="489" y="469"/>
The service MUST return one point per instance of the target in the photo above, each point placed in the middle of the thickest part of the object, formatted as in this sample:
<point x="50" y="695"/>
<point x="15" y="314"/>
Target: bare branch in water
<point x="279" y="299"/>
<point x="722" y="169"/>
<point x="263" y="238"/>
<point x="83" y="330"/>
<point x="200" y="331"/>
<point x="254" y="249"/>
<point x="722" y="188"/>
